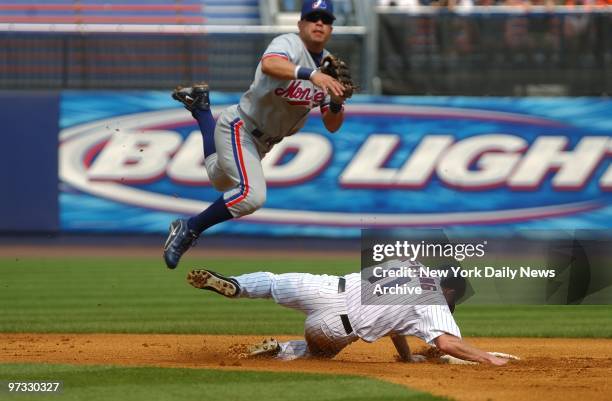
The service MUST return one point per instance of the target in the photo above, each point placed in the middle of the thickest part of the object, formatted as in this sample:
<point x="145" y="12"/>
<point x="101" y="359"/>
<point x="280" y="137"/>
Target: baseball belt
<point x="262" y="137"/>
<point x="345" y="320"/>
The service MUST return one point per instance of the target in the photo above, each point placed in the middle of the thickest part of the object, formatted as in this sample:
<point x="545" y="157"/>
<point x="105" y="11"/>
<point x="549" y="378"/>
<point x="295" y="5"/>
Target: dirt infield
<point x="551" y="369"/>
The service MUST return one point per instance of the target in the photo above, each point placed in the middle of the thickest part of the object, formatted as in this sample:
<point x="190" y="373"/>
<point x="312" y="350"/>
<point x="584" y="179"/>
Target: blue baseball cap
<point x="317" y="6"/>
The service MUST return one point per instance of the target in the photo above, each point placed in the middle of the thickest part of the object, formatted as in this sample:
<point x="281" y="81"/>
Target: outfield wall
<point x="132" y="161"/>
<point x="28" y="160"/>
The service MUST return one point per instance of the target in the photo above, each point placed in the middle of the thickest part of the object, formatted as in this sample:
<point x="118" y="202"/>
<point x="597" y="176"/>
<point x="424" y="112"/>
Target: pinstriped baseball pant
<point x="315" y="295"/>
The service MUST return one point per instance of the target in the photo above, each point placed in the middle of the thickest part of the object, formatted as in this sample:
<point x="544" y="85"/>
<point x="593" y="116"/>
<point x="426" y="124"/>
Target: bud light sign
<point x="133" y="161"/>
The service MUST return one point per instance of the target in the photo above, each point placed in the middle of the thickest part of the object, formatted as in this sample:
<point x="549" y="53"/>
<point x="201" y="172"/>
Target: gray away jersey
<point x="276" y="107"/>
<point x="374" y="314"/>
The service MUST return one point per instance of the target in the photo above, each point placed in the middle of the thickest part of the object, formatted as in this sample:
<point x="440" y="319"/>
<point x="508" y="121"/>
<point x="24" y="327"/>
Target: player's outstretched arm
<point x="402" y="347"/>
<point x="333" y="121"/>
<point x="278" y="68"/>
<point x="458" y="348"/>
<point x="283" y="69"/>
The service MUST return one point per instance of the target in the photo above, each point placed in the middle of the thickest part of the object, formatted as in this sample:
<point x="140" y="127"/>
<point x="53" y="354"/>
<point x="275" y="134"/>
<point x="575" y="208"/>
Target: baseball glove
<point x="336" y="68"/>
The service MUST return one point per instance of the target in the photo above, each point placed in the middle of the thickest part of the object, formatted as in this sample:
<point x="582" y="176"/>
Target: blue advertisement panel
<point x="133" y="162"/>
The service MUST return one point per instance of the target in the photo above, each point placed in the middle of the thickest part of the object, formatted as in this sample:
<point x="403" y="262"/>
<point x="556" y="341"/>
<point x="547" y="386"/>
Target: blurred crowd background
<point x="396" y="47"/>
<point x="512" y="3"/>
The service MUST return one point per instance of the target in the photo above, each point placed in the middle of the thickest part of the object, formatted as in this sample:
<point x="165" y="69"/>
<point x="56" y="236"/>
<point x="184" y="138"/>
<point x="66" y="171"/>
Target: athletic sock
<point x="207" y="124"/>
<point x="215" y="214"/>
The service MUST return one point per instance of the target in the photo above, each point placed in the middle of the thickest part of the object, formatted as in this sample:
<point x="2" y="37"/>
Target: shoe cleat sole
<point x="268" y="346"/>
<point x="206" y="280"/>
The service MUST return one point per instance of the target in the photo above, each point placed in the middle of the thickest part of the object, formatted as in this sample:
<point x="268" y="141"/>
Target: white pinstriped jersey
<point x="279" y="108"/>
<point x="373" y="315"/>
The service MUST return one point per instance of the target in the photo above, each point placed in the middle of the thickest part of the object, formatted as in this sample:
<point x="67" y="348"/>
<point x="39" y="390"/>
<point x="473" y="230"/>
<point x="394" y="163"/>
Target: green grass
<point x="141" y="296"/>
<point x="94" y="383"/>
<point x="535" y="321"/>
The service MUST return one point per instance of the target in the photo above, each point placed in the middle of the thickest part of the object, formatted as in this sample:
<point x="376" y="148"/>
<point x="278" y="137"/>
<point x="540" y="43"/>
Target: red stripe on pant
<point x="245" y="187"/>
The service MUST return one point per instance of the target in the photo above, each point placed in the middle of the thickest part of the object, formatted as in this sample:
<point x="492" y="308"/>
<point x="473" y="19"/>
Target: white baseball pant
<point x="315" y="295"/>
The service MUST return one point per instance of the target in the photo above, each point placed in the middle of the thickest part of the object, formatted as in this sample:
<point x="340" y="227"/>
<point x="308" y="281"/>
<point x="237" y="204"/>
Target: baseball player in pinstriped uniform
<point x="287" y="85"/>
<point x="341" y="310"/>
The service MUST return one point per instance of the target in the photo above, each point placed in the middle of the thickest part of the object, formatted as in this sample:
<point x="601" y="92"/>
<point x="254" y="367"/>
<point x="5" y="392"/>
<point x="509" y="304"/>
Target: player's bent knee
<point x="257" y="199"/>
<point x="254" y="201"/>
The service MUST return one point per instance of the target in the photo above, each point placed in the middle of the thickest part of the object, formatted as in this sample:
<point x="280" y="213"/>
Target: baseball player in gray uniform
<point x="341" y="310"/>
<point x="287" y="85"/>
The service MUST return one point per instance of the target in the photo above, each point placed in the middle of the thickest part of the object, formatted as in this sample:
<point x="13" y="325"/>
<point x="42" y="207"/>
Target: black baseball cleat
<point x="180" y="238"/>
<point x="209" y="280"/>
<point x="195" y="97"/>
